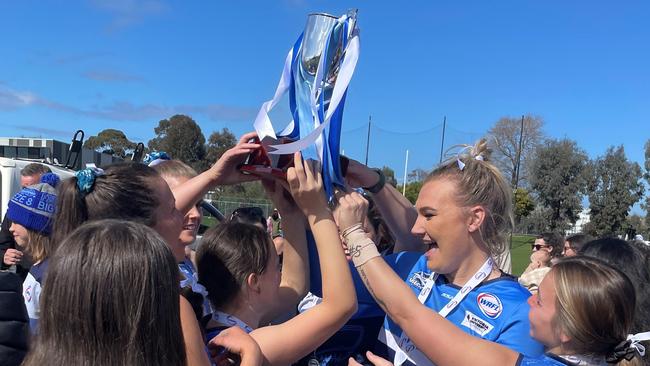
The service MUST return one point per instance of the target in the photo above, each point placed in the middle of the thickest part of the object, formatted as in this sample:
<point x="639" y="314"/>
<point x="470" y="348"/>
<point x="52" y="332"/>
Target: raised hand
<point x="225" y="170"/>
<point x="306" y="185"/>
<point x="352" y="210"/>
<point x="234" y="346"/>
<point x="278" y="191"/>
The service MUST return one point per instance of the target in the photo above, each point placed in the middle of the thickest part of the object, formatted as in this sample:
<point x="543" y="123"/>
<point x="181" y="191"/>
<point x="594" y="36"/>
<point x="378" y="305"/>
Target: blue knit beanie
<point x="33" y="207"/>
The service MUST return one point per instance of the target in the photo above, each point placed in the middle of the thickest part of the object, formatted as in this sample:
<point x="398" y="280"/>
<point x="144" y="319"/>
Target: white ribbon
<point x="461" y="165"/>
<point x="636" y="341"/>
<point x="230" y="320"/>
<point x="405" y="348"/>
<point x="263" y="124"/>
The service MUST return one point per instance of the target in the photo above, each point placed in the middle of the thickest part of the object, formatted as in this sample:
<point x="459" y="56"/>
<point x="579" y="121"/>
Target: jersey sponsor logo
<point x="28" y="293"/>
<point x="489" y="304"/>
<point x="476" y="324"/>
<point x="446" y="295"/>
<point x="418" y="279"/>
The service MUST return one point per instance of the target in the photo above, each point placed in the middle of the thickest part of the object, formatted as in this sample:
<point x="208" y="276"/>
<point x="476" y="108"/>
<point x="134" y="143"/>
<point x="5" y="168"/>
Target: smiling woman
<point x="464" y="213"/>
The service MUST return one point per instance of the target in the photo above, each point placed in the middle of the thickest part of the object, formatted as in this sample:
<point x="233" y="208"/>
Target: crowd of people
<point x="105" y="268"/>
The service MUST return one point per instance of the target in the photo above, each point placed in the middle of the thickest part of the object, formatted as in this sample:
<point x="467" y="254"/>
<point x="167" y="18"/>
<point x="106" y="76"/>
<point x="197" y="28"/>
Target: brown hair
<point x="123" y="192"/>
<point x="228" y="253"/>
<point x="595" y="304"/>
<point x="38" y="245"/>
<point x="115" y="284"/>
<point x="479" y="183"/>
<point x="34" y="169"/>
<point x="555" y="241"/>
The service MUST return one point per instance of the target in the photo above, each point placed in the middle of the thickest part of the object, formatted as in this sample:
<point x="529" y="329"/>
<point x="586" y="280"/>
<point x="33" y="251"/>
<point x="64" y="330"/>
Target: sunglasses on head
<point x="538" y="246"/>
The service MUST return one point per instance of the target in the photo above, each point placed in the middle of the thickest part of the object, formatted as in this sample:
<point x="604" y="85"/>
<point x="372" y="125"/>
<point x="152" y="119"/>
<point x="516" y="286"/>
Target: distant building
<point x="50" y="150"/>
<point x="583" y="219"/>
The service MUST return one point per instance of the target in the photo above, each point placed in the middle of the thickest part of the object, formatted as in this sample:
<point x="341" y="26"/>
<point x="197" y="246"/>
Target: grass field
<point x="520" y="249"/>
<point x="520" y="252"/>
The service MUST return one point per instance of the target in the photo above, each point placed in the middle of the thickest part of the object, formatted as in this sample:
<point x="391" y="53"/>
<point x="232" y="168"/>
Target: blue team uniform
<point x="32" y="287"/>
<point x="543" y="360"/>
<point x="495" y="310"/>
<point x="359" y="334"/>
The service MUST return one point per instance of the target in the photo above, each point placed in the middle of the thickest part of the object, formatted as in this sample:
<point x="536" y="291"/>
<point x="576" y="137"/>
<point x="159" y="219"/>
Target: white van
<point x="10" y="178"/>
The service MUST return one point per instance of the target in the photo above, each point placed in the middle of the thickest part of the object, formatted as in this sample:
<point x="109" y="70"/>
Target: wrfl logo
<point x="489" y="304"/>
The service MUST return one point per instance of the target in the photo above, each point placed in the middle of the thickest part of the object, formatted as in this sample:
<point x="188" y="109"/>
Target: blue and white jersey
<point x="495" y="310"/>
<point x="191" y="279"/>
<point x="32" y="287"/>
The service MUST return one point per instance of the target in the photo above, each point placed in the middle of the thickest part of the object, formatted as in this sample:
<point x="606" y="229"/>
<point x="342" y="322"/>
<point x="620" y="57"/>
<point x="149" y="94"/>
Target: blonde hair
<point x="479" y="183"/>
<point x="175" y="168"/>
<point x="595" y="305"/>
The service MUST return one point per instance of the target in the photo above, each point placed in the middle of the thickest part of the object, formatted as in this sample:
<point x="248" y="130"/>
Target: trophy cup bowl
<point x="315" y="42"/>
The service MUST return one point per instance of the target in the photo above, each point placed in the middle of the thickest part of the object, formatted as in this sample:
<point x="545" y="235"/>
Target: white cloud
<point x="124" y="110"/>
<point x="112" y="76"/>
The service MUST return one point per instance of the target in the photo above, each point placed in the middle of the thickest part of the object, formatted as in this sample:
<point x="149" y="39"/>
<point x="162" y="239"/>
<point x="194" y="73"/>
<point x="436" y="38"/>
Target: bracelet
<point x="352" y="228"/>
<point x="379" y="185"/>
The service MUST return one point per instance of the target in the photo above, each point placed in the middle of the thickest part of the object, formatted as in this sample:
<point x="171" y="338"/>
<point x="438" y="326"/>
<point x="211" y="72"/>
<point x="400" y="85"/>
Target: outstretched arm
<point x="295" y="263"/>
<point x="223" y="172"/>
<point x="286" y="343"/>
<point x="398" y="212"/>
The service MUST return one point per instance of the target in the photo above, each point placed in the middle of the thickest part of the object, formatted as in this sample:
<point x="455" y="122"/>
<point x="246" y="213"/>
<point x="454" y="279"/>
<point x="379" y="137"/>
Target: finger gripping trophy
<point x="316" y="74"/>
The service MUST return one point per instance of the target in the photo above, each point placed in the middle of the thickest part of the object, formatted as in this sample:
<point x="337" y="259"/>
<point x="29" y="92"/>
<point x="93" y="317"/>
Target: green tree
<point x="412" y="191"/>
<point x="505" y="135"/>
<point x="218" y="143"/>
<point x="390" y="175"/>
<point x="110" y="141"/>
<point x="614" y="187"/>
<point x="557" y="178"/>
<point x="524" y="203"/>
<point x="182" y="138"/>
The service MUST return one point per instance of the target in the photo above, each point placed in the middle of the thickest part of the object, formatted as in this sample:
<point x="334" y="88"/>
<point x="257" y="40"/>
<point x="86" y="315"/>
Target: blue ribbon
<point x="300" y="105"/>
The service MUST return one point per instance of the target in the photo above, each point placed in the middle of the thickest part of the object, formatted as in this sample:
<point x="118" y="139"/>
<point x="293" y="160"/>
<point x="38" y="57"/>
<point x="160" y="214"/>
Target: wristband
<point x="361" y="248"/>
<point x="379" y="185"/>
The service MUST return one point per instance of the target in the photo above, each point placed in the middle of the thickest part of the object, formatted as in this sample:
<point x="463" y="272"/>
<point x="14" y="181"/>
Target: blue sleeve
<point x="401" y="263"/>
<point x="516" y="334"/>
<point x="538" y="361"/>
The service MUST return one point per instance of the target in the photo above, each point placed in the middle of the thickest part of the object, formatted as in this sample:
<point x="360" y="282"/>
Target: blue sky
<point x="580" y="65"/>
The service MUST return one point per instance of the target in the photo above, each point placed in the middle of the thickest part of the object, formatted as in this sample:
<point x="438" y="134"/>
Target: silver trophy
<point x="323" y="32"/>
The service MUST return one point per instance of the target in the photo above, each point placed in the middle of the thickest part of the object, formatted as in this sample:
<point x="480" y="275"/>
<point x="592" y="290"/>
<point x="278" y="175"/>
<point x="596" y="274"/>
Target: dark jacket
<point x="6" y="242"/>
<point x="14" y="324"/>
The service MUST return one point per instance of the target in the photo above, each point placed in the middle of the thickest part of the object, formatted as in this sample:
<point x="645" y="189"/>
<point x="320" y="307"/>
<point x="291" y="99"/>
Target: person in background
<point x="32" y="213"/>
<point x="547" y="248"/>
<point x="573" y="244"/>
<point x="10" y="253"/>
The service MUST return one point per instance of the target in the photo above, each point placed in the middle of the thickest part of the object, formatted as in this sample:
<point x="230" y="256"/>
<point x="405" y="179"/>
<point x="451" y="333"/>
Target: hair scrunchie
<point x="623" y="350"/>
<point x="86" y="179"/>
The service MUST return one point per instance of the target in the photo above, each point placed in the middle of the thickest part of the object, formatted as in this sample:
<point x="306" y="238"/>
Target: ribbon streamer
<point x="317" y="116"/>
